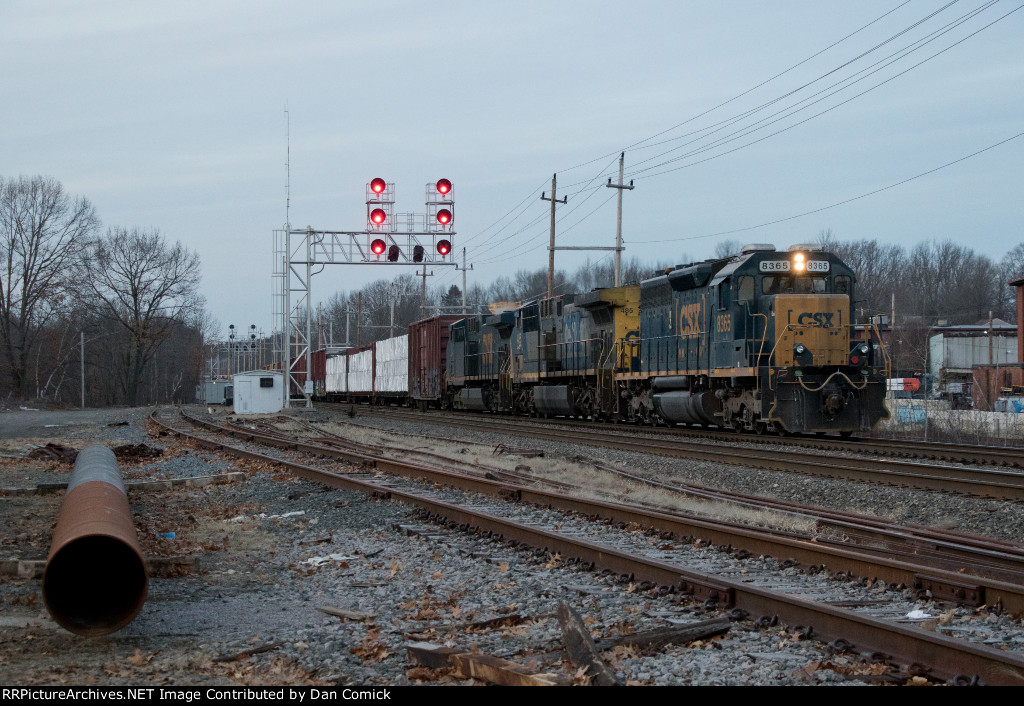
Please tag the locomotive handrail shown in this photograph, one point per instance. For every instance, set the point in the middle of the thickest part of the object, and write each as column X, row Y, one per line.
column 576, row 346
column 828, row 379
column 760, row 351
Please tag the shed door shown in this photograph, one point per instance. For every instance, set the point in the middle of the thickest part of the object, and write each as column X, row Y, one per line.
column 243, row 397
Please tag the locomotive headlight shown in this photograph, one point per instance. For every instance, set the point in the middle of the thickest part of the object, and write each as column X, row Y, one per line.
column 800, row 349
column 798, row 262
column 864, row 349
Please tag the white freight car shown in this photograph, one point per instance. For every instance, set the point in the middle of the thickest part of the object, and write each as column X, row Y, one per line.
column 392, row 367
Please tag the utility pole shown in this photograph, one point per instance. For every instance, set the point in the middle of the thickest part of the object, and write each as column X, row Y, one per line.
column 618, row 222
column 990, row 338
column 423, row 292
column 391, row 301
column 359, row 316
column 892, row 334
column 463, row 269
column 551, row 247
column 82, row 355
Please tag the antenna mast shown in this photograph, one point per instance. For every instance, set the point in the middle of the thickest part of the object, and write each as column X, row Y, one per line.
column 288, row 168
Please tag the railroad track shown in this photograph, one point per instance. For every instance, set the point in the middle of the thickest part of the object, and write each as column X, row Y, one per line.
column 630, row 554
column 1005, row 484
column 966, row 555
column 999, row 456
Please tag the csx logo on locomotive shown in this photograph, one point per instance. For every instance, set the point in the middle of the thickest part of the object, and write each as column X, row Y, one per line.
column 821, row 319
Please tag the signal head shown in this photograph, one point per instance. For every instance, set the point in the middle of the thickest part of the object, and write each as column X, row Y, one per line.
column 393, row 253
column 378, row 246
column 443, row 186
column 378, row 216
column 417, row 253
column 443, row 247
column 378, row 185
column 444, row 216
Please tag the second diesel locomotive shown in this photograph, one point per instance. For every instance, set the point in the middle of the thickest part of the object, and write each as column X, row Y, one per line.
column 763, row 341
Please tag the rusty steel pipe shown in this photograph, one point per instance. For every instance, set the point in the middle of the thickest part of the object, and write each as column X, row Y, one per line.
column 95, row 581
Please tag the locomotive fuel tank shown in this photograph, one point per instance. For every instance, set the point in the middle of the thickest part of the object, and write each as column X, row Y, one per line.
column 703, row 408
column 554, row 399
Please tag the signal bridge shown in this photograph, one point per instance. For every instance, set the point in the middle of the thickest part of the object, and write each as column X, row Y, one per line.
column 425, row 239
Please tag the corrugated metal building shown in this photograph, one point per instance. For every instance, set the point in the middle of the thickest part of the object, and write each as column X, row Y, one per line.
column 954, row 351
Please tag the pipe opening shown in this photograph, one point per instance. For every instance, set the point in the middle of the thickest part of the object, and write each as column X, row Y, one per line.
column 95, row 585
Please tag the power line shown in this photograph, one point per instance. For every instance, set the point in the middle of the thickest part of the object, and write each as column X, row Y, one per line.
column 741, row 134
column 749, row 90
column 838, row 203
column 529, row 198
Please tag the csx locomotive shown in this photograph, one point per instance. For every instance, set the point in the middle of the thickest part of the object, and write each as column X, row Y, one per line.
column 760, row 341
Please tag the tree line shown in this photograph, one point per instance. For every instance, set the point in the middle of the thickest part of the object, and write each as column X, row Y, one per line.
column 924, row 285
column 126, row 293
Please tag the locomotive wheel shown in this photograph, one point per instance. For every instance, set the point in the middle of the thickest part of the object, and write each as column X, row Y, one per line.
column 760, row 428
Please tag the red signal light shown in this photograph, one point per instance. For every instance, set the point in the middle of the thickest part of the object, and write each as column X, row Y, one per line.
column 378, row 246
column 444, row 247
column 444, row 216
column 443, row 186
column 378, row 185
column 378, row 216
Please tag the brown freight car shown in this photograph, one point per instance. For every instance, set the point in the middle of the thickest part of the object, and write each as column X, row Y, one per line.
column 428, row 345
column 318, row 368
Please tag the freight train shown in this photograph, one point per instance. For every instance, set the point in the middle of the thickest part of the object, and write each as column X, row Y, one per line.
column 762, row 341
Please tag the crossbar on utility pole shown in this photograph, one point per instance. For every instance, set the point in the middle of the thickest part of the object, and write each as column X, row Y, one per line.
column 618, row 222
column 551, row 247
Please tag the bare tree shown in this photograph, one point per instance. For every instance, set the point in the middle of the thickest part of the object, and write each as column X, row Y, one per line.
column 144, row 286
column 42, row 229
column 726, row 248
column 1013, row 262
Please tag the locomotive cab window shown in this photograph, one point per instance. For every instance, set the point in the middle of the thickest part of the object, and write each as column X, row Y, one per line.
column 745, row 287
column 776, row 284
column 724, row 295
column 530, row 323
column 841, row 284
column 809, row 285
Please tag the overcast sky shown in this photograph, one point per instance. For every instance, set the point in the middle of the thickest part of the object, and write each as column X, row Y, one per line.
column 172, row 116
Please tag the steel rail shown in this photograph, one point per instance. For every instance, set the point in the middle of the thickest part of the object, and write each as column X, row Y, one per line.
column 905, row 448
column 965, row 582
column 980, row 556
column 907, row 644
column 1002, row 484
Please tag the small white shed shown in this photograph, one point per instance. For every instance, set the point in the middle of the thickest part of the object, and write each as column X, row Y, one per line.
column 258, row 392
